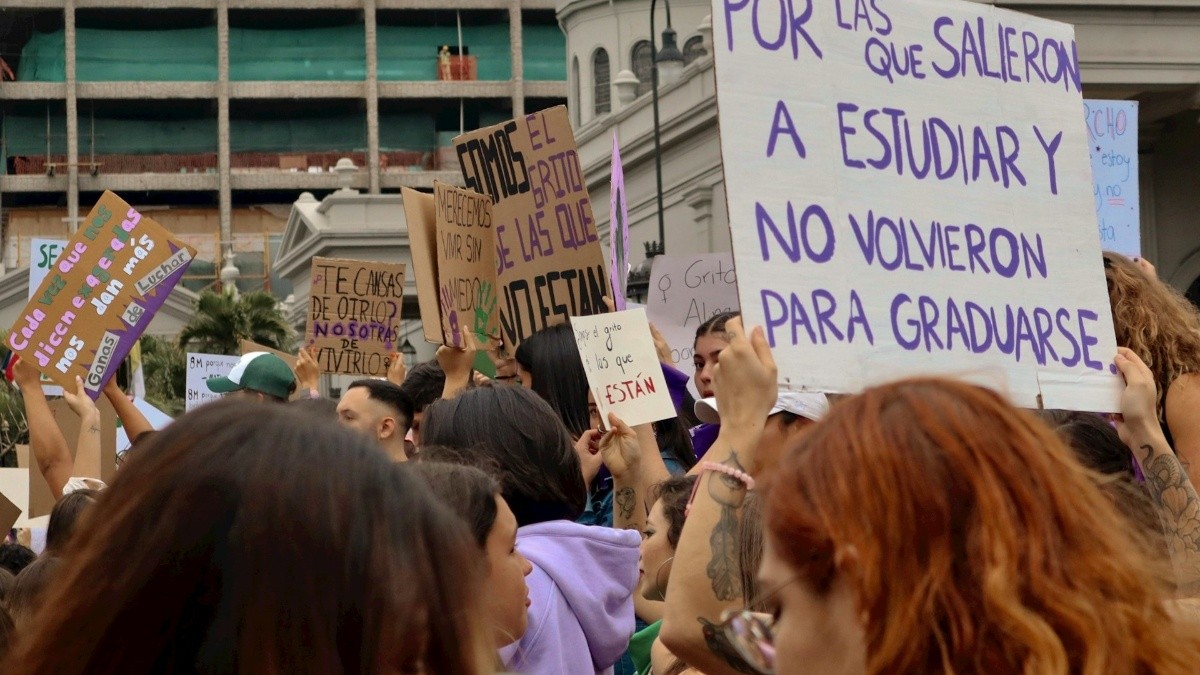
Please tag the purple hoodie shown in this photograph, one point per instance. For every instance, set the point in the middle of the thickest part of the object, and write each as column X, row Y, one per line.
column 581, row 589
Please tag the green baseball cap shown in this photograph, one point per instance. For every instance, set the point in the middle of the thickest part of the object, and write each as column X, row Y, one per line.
column 262, row 372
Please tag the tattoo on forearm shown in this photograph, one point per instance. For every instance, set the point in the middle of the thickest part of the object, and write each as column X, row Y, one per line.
column 94, row 429
column 1177, row 498
column 626, row 500
column 723, row 567
column 718, row 644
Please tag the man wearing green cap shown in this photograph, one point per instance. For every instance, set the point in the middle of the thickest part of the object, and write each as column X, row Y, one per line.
column 260, row 375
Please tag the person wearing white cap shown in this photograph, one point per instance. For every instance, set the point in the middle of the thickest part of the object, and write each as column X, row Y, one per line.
column 792, row 413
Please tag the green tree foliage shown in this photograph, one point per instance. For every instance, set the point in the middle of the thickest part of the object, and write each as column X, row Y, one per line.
column 164, row 367
column 222, row 321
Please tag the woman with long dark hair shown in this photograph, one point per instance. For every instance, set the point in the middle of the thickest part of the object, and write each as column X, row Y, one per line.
column 246, row 537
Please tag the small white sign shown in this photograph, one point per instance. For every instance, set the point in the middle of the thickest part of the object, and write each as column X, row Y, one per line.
column 201, row 367
column 685, row 291
column 622, row 366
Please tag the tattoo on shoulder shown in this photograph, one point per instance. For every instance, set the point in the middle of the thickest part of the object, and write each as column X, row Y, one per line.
column 626, row 501
column 718, row 644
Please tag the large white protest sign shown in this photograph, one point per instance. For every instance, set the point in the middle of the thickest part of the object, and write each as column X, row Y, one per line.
column 1112, row 129
column 685, row 291
column 909, row 193
column 622, row 366
column 200, row 368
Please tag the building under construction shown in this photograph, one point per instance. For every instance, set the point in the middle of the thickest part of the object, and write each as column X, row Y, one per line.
column 214, row 115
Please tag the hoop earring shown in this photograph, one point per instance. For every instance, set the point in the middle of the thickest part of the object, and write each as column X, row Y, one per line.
column 661, row 587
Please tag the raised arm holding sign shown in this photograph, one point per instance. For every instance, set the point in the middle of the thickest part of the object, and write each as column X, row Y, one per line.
column 909, row 193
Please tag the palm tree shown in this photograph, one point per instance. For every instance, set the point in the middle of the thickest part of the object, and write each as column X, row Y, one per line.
column 223, row 320
column 165, row 367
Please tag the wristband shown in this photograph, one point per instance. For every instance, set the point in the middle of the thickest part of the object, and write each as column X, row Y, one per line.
column 738, row 474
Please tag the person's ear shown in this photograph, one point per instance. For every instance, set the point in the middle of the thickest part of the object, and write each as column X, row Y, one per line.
column 387, row 428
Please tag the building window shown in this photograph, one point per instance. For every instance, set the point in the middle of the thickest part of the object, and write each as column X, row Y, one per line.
column 602, row 92
column 693, row 49
column 642, row 58
column 576, row 103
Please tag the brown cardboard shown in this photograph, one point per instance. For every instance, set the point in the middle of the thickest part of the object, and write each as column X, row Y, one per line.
column 354, row 315
column 22, row 456
column 550, row 266
column 9, row 512
column 419, row 212
column 99, row 297
column 466, row 266
column 89, row 465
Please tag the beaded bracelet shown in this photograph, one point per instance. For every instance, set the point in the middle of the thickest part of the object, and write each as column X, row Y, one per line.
column 738, row 474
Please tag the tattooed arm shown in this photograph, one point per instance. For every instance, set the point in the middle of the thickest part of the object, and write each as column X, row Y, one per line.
column 706, row 579
column 1166, row 478
column 621, row 452
column 1179, row 509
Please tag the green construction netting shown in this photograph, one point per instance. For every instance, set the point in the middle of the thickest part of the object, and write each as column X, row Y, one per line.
column 405, row 53
column 26, row 134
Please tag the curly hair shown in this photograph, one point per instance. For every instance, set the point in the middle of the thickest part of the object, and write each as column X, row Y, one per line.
column 982, row 545
column 1154, row 320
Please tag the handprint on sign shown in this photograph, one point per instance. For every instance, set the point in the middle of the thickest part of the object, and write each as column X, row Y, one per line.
column 452, row 334
column 485, row 306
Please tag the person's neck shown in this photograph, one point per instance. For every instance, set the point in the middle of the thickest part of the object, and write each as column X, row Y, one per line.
column 395, row 450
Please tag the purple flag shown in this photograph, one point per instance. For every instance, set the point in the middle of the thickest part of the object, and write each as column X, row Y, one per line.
column 618, row 230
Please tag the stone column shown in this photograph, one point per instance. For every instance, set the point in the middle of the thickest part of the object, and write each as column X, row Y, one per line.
column 515, row 38
column 372, row 42
column 225, row 189
column 72, row 118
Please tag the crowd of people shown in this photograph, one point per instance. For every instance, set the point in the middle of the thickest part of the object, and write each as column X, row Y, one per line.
column 438, row 521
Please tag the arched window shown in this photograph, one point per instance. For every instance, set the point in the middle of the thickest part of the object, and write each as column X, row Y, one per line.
column 576, row 103
column 693, row 49
column 642, row 58
column 602, row 92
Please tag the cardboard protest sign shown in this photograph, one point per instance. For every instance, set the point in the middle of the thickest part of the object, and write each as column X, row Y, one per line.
column 549, row 264
column 10, row 512
column 87, row 314
column 246, row 347
column 419, row 212
column 1112, row 128
column 354, row 315
column 466, row 266
column 622, row 366
column 685, row 291
column 618, row 229
column 908, row 190
column 201, row 367
column 14, row 486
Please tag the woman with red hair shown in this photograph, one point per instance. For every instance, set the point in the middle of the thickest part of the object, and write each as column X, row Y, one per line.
column 927, row 526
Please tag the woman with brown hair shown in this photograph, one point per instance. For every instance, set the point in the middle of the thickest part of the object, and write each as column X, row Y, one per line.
column 1162, row 327
column 248, row 538
column 928, row 526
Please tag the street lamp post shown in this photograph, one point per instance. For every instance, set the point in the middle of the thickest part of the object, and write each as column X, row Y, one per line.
column 671, row 60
